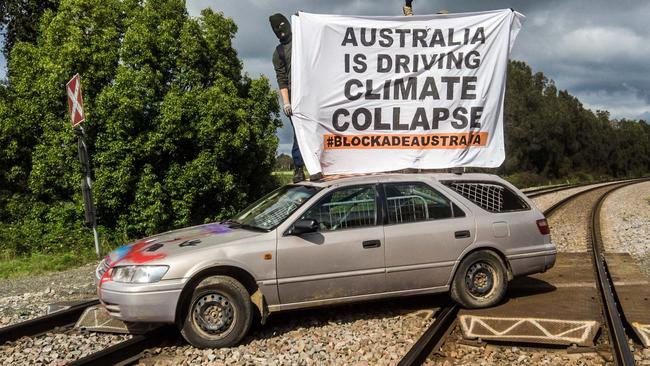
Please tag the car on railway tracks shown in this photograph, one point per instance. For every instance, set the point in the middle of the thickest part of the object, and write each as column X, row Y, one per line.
column 328, row 242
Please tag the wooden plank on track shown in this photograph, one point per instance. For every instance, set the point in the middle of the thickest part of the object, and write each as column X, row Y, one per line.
column 560, row 306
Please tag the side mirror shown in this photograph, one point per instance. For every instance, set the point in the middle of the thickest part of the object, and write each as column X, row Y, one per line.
column 304, row 226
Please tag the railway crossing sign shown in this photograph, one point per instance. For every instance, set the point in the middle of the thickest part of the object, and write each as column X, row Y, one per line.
column 77, row 115
column 75, row 101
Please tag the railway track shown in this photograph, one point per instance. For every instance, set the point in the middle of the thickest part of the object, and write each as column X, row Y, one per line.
column 544, row 190
column 131, row 350
column 121, row 353
column 62, row 318
column 435, row 335
column 613, row 314
column 536, row 192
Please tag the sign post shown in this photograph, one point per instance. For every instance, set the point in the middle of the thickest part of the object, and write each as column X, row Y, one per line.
column 77, row 116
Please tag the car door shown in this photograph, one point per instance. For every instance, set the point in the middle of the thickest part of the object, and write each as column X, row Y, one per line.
column 345, row 257
column 425, row 232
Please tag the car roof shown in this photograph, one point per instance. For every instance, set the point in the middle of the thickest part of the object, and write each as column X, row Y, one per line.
column 335, row 180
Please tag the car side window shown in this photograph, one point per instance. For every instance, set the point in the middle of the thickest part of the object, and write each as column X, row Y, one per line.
column 345, row 208
column 413, row 202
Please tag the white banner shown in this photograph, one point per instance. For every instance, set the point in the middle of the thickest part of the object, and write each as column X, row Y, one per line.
column 373, row 94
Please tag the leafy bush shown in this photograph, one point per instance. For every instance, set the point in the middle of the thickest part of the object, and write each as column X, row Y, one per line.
column 527, row 179
column 177, row 134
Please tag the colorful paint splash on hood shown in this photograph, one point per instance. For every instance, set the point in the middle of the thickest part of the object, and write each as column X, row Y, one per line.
column 146, row 250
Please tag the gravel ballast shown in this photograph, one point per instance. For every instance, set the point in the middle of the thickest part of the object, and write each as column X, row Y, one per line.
column 570, row 223
column 376, row 333
column 27, row 297
column 628, row 222
column 625, row 223
column 56, row 348
column 547, row 200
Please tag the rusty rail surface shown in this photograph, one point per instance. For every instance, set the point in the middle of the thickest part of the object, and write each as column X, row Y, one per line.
column 432, row 337
column 565, row 200
column 618, row 340
column 446, row 316
column 45, row 323
column 129, row 351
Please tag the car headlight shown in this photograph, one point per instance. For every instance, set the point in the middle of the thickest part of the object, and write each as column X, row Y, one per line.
column 138, row 274
column 102, row 267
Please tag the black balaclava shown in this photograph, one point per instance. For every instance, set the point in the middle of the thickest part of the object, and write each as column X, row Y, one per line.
column 281, row 27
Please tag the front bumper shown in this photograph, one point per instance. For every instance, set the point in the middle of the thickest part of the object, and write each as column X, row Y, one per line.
column 151, row 303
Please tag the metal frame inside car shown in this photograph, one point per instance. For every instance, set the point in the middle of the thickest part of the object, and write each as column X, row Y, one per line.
column 382, row 219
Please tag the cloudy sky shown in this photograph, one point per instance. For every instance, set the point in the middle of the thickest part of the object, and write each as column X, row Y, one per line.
column 599, row 50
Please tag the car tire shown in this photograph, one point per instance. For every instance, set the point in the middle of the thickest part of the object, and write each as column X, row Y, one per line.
column 218, row 315
column 480, row 281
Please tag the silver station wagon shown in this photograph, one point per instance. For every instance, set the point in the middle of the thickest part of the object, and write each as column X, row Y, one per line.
column 328, row 242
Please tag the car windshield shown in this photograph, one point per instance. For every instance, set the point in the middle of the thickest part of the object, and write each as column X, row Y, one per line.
column 269, row 211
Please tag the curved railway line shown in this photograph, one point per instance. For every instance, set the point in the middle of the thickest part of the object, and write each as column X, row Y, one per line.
column 433, row 337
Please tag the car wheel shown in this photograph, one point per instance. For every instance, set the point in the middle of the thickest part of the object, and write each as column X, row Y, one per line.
column 219, row 314
column 480, row 281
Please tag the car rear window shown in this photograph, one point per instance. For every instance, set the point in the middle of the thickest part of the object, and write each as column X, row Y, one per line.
column 490, row 196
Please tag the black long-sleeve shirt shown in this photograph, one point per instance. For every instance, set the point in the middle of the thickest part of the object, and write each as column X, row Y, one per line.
column 282, row 69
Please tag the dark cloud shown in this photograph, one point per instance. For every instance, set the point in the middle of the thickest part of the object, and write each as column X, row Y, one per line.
column 645, row 116
column 598, row 50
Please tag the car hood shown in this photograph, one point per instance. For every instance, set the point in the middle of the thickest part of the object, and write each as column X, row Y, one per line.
column 159, row 248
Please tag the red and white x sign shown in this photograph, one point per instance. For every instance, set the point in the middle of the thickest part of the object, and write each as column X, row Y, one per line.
column 75, row 100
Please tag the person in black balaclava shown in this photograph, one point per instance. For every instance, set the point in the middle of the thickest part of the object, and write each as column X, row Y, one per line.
column 282, row 64
column 408, row 7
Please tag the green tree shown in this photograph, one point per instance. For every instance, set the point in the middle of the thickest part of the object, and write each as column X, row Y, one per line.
column 284, row 162
column 177, row 134
column 40, row 169
column 550, row 134
column 20, row 19
column 190, row 139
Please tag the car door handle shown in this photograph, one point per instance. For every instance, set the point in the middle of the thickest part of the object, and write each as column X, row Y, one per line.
column 462, row 234
column 371, row 244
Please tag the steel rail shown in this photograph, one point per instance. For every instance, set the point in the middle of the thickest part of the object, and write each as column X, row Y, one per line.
column 129, row 351
column 565, row 200
column 562, row 187
column 542, row 190
column 446, row 316
column 432, row 337
column 44, row 323
column 618, row 340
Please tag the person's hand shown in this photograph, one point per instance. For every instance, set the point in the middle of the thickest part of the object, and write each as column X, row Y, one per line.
column 287, row 110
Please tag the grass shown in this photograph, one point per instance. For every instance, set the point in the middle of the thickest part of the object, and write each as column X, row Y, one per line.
column 38, row 263
column 283, row 177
